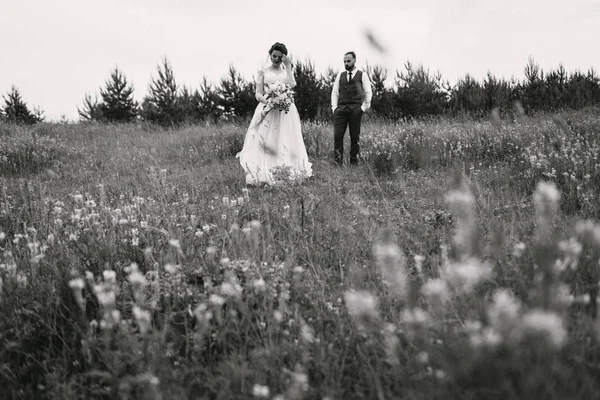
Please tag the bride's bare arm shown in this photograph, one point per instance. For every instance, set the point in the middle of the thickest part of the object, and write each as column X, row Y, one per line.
column 259, row 93
column 289, row 70
column 290, row 80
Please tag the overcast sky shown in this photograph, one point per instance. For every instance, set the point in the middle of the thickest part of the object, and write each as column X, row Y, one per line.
column 62, row 49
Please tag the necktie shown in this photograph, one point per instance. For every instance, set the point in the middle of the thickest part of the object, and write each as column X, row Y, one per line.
column 349, row 76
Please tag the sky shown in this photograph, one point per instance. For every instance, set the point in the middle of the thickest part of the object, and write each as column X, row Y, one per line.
column 61, row 50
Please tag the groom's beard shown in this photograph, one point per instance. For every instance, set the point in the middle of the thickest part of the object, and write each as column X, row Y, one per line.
column 349, row 68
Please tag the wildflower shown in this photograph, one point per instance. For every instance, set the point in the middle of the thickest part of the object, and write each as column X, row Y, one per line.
column 175, row 243
column 439, row 374
column 231, row 287
column 171, row 268
column 137, row 281
column 546, row 200
column 77, row 285
column 216, row 300
column 299, row 384
column 419, row 263
column 307, row 334
column 392, row 263
column 571, row 250
column 255, row 224
column 423, row 357
column 259, row 284
column 2, row 236
column 225, row 261
column 391, row 343
column 260, row 391
column 278, row 316
column 588, row 230
column 436, row 290
column 504, row 311
column 519, row 249
column 298, row 269
column 362, row 307
column 111, row 319
column 90, row 204
column 462, row 203
column 203, row 315
column 109, row 276
column 415, row 319
column 546, row 324
column 143, row 319
column 106, row 295
column 464, row 276
column 226, row 201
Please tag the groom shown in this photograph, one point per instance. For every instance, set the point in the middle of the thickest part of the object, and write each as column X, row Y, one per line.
column 350, row 98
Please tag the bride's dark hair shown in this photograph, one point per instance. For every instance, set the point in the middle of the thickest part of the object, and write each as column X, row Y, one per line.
column 278, row 47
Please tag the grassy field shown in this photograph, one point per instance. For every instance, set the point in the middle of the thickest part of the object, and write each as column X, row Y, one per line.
column 458, row 261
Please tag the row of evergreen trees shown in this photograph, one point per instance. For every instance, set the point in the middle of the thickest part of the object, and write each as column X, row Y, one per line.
column 415, row 92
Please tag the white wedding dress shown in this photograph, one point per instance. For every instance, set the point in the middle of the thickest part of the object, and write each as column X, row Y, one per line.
column 274, row 142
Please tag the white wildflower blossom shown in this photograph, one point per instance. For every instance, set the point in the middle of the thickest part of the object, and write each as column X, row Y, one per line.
column 504, row 310
column 392, row 264
column 465, row 275
column 259, row 284
column 216, row 300
column 143, row 319
column 546, row 324
column 362, row 307
column 307, row 334
column 260, row 391
column 436, row 290
column 519, row 249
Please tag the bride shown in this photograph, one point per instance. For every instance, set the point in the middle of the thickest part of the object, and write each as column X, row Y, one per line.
column 274, row 138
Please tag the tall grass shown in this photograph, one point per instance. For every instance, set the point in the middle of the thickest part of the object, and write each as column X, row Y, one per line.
column 450, row 264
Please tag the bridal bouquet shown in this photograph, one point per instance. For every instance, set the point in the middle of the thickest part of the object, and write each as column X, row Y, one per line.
column 279, row 97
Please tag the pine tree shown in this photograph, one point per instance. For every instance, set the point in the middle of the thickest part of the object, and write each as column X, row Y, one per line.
column 326, row 82
column 15, row 109
column 382, row 101
column 210, row 100
column 419, row 91
column 92, row 109
column 162, row 107
column 118, row 103
column 306, row 90
column 237, row 95
column 190, row 105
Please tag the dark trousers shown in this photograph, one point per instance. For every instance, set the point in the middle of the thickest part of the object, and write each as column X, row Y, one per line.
column 343, row 117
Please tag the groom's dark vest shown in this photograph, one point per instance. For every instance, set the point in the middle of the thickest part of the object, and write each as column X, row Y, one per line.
column 351, row 93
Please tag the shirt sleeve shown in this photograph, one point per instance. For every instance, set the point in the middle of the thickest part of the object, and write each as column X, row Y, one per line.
column 368, row 91
column 335, row 92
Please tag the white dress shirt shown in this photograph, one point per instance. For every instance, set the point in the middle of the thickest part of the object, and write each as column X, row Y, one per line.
column 366, row 87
